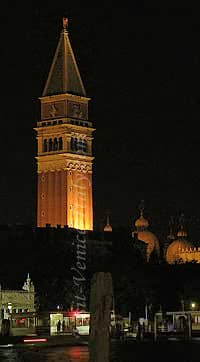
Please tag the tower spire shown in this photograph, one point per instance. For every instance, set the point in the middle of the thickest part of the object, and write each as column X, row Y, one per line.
column 64, row 135
column 64, row 76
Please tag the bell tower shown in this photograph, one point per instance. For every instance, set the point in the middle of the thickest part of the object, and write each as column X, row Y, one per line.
column 64, row 135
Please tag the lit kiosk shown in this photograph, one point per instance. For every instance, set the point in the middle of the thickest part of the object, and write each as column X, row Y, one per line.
column 64, row 136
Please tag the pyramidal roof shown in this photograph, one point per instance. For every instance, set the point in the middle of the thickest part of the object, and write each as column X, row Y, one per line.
column 64, row 76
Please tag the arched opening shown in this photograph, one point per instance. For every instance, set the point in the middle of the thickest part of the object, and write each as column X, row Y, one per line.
column 50, row 145
column 55, row 144
column 60, row 143
column 45, row 146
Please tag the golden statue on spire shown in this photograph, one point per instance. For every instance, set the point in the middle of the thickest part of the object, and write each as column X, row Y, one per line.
column 65, row 23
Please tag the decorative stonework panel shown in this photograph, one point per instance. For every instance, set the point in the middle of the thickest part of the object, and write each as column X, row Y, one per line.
column 77, row 110
column 53, row 110
column 58, row 165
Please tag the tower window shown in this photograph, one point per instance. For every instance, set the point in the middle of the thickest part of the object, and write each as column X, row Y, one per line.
column 45, row 145
column 78, row 144
column 82, row 145
column 74, row 144
column 55, row 144
column 60, row 143
column 50, row 145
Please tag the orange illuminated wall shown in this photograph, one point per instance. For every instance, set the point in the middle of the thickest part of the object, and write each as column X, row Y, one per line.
column 79, row 200
column 52, row 198
column 65, row 198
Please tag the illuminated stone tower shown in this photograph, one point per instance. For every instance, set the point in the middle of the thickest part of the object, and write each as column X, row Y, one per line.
column 64, row 136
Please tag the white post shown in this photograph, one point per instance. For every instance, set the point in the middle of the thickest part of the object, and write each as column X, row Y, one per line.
column 146, row 312
column 189, row 326
column 129, row 319
column 155, row 328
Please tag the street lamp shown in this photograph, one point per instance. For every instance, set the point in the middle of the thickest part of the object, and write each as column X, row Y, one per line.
column 193, row 305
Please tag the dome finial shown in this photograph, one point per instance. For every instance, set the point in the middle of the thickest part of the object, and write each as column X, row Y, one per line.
column 181, row 219
column 171, row 229
column 141, row 223
column 108, row 226
column 141, row 207
column 181, row 232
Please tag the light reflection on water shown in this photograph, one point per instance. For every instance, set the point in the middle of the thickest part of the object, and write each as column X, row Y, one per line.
column 53, row 354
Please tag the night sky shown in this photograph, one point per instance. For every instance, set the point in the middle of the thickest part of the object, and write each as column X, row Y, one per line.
column 141, row 66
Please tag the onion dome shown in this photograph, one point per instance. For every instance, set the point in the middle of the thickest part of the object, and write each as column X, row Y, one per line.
column 108, row 227
column 174, row 249
column 146, row 236
column 151, row 240
column 141, row 223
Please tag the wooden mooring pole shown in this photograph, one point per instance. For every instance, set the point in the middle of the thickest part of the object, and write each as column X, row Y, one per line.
column 101, row 299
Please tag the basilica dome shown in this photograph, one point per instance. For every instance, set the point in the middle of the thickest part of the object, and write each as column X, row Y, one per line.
column 143, row 234
column 174, row 249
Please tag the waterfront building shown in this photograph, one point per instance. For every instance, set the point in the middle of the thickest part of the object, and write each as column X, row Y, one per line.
column 19, row 307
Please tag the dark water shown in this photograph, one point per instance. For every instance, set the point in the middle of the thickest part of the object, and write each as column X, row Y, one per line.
column 53, row 354
column 121, row 352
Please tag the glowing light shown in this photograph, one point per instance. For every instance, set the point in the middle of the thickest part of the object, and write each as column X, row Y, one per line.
column 193, row 305
column 33, row 340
